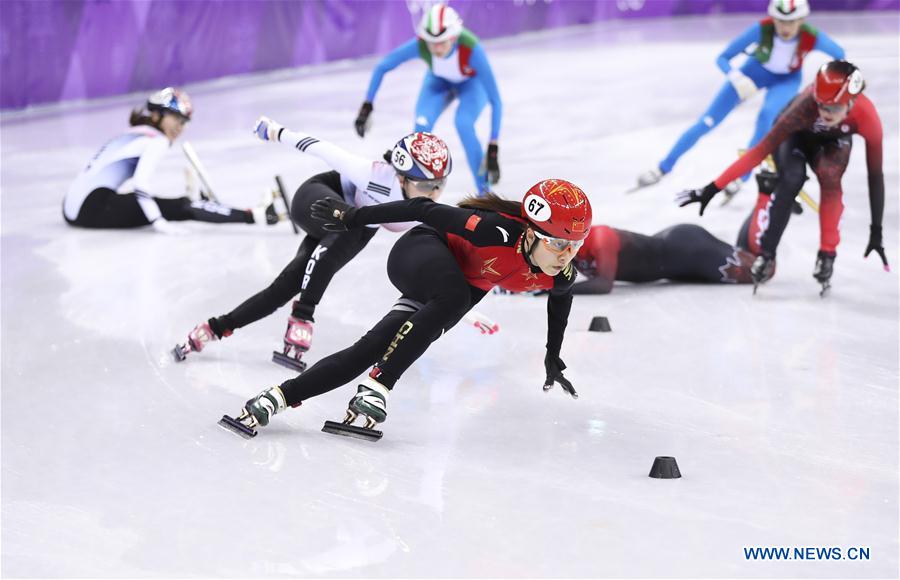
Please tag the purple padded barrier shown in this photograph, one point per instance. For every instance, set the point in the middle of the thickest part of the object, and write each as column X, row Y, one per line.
column 57, row 50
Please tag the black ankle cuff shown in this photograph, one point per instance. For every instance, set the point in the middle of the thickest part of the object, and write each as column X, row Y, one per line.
column 221, row 326
column 303, row 311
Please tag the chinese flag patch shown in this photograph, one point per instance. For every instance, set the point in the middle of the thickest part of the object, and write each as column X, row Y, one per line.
column 472, row 222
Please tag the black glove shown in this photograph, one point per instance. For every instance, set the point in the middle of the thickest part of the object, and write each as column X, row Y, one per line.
column 362, row 119
column 701, row 196
column 555, row 366
column 335, row 213
column 875, row 244
column 493, row 168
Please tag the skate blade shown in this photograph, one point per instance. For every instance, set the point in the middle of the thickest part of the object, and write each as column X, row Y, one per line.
column 824, row 292
column 336, row 428
column 237, row 427
column 288, row 361
column 638, row 188
column 179, row 352
column 282, row 193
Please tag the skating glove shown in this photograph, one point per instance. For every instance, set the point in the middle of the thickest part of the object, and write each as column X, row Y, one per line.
column 481, row 322
column 876, row 245
column 163, row 226
column 335, row 213
column 493, row 167
column 743, row 85
column 701, row 196
column 554, row 367
column 267, row 129
column 362, row 122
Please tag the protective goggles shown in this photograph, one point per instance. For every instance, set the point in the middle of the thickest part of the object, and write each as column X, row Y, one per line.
column 429, row 185
column 558, row 245
column 833, row 109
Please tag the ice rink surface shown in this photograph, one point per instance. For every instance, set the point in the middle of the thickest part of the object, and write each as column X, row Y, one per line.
column 781, row 409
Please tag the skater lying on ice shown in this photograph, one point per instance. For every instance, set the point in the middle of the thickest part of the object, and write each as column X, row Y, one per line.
column 682, row 253
column 93, row 200
column 442, row 269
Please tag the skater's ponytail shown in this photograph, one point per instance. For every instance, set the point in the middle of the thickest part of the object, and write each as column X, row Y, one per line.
column 141, row 116
column 492, row 202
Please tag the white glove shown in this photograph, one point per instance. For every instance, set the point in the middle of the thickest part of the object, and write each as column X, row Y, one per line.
column 267, row 129
column 481, row 322
column 164, row 226
column 744, row 86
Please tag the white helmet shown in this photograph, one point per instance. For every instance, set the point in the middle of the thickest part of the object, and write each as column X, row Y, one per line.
column 789, row 9
column 439, row 23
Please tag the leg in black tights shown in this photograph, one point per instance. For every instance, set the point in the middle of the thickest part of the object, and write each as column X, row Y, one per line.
column 422, row 267
column 183, row 209
column 104, row 208
column 320, row 256
column 791, row 158
column 692, row 254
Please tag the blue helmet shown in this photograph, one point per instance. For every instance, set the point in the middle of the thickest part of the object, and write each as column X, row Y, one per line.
column 171, row 100
column 422, row 157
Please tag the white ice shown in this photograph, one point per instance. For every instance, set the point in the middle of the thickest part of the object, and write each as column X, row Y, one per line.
column 781, row 408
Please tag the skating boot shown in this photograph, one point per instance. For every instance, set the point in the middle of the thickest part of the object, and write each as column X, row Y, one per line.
column 762, row 270
column 823, row 270
column 647, row 179
column 265, row 213
column 370, row 401
column 257, row 412
column 197, row 339
column 297, row 340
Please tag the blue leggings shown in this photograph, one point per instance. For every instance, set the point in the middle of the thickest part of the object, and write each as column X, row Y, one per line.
column 435, row 96
column 780, row 89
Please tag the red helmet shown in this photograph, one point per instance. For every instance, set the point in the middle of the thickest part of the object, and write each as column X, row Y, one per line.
column 837, row 83
column 558, row 208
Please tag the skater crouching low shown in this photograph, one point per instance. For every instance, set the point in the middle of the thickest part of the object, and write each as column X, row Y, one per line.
column 442, row 269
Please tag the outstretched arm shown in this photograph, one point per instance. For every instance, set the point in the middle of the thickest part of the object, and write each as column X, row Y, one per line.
column 871, row 130
column 480, row 63
column 737, row 46
column 354, row 167
column 442, row 217
column 558, row 308
column 825, row 44
column 406, row 51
